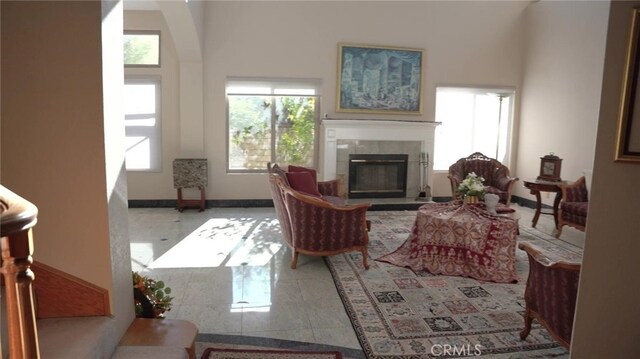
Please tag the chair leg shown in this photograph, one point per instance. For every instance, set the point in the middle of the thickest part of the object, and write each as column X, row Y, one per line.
column 294, row 259
column 559, row 230
column 528, row 319
column 365, row 257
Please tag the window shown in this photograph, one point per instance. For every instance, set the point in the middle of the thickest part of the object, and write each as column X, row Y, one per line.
column 142, row 48
column 473, row 120
column 142, row 124
column 271, row 121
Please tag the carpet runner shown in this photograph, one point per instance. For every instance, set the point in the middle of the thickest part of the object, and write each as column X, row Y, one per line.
column 401, row 314
column 215, row 353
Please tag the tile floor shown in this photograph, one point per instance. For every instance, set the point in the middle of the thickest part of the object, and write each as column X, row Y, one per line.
column 229, row 273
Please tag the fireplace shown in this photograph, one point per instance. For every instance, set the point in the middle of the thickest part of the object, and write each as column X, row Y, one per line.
column 378, row 175
column 343, row 137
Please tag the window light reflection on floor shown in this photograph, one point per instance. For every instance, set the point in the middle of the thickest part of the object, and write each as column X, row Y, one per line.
column 224, row 241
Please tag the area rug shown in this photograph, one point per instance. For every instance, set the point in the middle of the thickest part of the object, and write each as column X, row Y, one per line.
column 401, row 314
column 215, row 353
column 245, row 343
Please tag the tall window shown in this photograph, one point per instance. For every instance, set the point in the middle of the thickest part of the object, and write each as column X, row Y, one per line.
column 271, row 121
column 142, row 124
column 141, row 48
column 473, row 120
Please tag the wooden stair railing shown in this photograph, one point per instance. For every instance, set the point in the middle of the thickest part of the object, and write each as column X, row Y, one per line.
column 17, row 217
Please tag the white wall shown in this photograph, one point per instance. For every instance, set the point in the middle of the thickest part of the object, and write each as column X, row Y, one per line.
column 158, row 185
column 607, row 315
column 62, row 138
column 478, row 43
column 561, row 86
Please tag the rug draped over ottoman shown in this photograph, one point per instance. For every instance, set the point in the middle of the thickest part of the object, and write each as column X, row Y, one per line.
column 457, row 239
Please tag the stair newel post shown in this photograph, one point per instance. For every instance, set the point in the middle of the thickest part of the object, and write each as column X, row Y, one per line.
column 16, row 247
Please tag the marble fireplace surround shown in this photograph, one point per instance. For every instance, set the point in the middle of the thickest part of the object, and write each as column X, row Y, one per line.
column 344, row 136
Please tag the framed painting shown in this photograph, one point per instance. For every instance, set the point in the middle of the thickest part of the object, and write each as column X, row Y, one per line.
column 379, row 79
column 628, row 141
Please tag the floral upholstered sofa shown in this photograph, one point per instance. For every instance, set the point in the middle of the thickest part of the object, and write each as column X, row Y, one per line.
column 313, row 219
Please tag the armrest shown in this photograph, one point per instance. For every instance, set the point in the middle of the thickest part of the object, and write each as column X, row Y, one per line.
column 504, row 183
column 576, row 191
column 455, row 182
column 328, row 188
column 318, row 225
column 537, row 255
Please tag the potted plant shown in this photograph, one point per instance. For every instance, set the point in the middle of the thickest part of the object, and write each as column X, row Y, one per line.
column 152, row 298
column 471, row 188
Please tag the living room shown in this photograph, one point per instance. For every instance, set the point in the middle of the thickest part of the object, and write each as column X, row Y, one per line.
column 555, row 55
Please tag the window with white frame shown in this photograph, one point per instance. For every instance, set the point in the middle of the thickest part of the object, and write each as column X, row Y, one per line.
column 141, row 48
column 271, row 120
column 142, row 124
column 472, row 120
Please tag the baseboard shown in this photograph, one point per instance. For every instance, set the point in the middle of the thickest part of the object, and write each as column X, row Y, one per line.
column 59, row 294
column 210, row 203
column 250, row 203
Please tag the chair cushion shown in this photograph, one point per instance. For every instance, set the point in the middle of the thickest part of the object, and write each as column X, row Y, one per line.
column 311, row 171
column 303, row 182
column 575, row 208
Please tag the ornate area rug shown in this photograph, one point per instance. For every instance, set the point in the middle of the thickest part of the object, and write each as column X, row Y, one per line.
column 401, row 314
column 214, row 353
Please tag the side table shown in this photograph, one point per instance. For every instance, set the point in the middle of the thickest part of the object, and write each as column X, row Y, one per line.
column 537, row 186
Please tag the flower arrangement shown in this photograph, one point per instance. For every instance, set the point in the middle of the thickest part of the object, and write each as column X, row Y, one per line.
column 471, row 186
column 151, row 297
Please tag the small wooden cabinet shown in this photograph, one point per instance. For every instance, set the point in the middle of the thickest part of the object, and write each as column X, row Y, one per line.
column 190, row 173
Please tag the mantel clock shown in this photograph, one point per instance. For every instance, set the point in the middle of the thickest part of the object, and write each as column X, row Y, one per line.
column 550, row 168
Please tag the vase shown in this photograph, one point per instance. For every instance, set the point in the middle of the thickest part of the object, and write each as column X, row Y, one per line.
column 491, row 201
column 470, row 199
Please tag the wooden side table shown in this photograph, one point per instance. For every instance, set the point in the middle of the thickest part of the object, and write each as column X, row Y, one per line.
column 182, row 203
column 537, row 186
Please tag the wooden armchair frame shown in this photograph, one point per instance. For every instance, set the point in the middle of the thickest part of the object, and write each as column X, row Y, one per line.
column 499, row 178
column 317, row 227
column 554, row 309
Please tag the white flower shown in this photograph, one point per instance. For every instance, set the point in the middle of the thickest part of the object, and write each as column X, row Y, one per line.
column 472, row 185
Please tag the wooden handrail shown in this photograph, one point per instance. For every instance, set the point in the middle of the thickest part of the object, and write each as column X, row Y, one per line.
column 17, row 217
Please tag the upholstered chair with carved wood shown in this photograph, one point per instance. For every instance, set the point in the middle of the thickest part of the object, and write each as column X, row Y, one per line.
column 574, row 206
column 316, row 224
column 495, row 174
column 550, row 294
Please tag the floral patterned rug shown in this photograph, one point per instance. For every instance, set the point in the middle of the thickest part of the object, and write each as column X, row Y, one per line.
column 401, row 314
column 216, row 353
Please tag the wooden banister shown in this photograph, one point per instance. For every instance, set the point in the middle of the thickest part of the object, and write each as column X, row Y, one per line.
column 17, row 217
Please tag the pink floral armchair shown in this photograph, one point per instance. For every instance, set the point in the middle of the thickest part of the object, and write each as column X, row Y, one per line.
column 318, row 225
column 495, row 174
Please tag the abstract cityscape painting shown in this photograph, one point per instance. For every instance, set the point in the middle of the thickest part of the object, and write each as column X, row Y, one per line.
column 379, row 79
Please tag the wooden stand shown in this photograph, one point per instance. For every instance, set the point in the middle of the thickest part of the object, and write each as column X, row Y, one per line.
column 184, row 203
column 162, row 332
column 537, row 186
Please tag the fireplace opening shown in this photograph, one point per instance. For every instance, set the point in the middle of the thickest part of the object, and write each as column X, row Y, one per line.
column 378, row 176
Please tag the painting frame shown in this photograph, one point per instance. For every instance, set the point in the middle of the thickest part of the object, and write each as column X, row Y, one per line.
column 380, row 79
column 628, row 136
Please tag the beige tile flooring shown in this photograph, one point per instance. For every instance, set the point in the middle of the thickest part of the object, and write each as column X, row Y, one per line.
column 229, row 273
